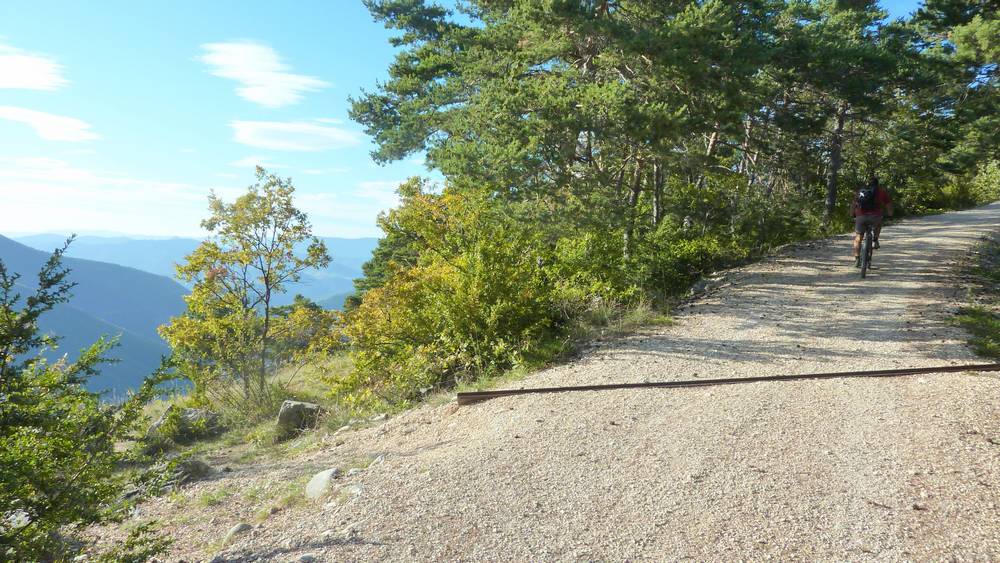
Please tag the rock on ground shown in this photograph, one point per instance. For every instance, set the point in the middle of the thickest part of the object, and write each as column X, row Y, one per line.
column 295, row 416
column 321, row 482
column 192, row 424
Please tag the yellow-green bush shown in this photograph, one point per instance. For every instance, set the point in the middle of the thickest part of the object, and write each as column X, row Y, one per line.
column 476, row 304
column 985, row 187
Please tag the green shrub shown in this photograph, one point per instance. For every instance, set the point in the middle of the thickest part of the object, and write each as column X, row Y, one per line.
column 474, row 309
column 61, row 449
column 985, row 187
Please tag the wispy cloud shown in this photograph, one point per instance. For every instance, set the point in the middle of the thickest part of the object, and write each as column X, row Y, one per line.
column 264, row 79
column 351, row 213
column 292, row 135
column 47, row 194
column 29, row 71
column 50, row 126
column 380, row 191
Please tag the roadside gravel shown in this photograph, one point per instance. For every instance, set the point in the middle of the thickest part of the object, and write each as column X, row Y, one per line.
column 905, row 468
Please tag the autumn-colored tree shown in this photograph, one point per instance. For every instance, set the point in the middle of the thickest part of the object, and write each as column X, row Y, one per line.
column 225, row 341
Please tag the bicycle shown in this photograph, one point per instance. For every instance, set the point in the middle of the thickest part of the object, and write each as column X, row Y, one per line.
column 867, row 246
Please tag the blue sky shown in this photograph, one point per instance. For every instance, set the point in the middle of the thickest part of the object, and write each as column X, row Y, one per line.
column 120, row 116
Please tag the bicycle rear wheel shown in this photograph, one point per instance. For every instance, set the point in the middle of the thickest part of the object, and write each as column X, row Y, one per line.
column 866, row 252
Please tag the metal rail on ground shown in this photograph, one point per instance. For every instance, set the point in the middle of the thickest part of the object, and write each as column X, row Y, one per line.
column 470, row 397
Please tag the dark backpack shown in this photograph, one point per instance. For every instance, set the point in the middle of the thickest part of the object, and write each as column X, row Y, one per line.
column 867, row 199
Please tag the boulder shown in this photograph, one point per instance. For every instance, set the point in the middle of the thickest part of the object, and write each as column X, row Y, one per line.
column 184, row 425
column 191, row 469
column 295, row 416
column 321, row 483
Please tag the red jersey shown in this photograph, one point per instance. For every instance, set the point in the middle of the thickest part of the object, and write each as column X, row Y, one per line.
column 881, row 199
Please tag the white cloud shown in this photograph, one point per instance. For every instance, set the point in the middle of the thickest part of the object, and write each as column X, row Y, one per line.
column 49, row 195
column 341, row 214
column 46, row 194
column 264, row 79
column 383, row 192
column 50, row 126
column 292, row 135
column 254, row 161
column 29, row 71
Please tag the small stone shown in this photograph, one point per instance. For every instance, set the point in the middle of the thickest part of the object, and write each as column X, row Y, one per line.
column 306, row 558
column 354, row 471
column 379, row 417
column 236, row 530
column 353, row 490
column 320, row 483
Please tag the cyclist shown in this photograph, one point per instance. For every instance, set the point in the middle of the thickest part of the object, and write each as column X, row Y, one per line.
column 870, row 203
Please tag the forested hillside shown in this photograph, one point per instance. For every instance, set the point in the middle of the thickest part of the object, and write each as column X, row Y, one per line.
column 599, row 154
column 159, row 256
column 108, row 300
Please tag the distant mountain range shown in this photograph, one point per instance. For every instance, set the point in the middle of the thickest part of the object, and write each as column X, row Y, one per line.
column 108, row 300
column 125, row 287
column 329, row 286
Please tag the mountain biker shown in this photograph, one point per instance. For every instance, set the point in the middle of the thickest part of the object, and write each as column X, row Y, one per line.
column 870, row 203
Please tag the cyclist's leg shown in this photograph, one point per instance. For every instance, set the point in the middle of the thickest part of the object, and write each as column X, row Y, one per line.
column 878, row 229
column 859, row 231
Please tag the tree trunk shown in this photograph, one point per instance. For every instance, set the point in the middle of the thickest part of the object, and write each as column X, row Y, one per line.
column 836, row 160
column 633, row 200
column 657, row 193
column 264, row 341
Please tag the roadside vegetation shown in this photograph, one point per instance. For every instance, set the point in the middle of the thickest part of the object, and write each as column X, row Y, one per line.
column 67, row 460
column 981, row 318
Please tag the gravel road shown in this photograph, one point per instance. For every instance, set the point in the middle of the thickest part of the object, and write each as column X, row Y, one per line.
column 904, row 468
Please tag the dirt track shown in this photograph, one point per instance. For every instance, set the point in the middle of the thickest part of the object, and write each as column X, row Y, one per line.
column 904, row 468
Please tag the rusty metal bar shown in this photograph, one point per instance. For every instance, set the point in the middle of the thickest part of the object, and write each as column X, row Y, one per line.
column 470, row 397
